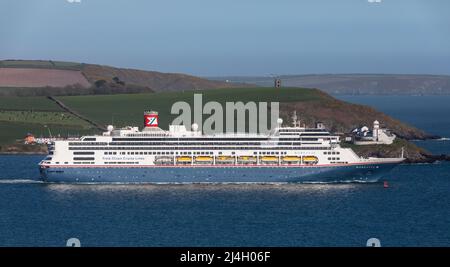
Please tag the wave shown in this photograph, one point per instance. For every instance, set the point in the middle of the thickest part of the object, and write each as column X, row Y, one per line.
column 209, row 183
column 437, row 139
column 20, row 181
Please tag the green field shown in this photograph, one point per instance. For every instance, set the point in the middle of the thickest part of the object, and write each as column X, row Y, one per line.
column 28, row 103
column 22, row 115
column 12, row 131
column 122, row 110
column 42, row 117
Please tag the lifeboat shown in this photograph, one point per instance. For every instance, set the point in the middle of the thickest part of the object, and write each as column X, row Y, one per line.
column 184, row 159
column 247, row 159
column 224, row 159
column 163, row 160
column 310, row 159
column 203, row 159
column 269, row 158
column 291, row 158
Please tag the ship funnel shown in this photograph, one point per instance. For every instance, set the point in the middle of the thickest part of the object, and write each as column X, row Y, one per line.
column 150, row 119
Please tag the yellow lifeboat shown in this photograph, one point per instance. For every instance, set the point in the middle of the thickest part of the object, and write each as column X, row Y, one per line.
column 225, row 158
column 310, row 159
column 269, row 158
column 184, row 159
column 291, row 158
column 203, row 159
column 247, row 158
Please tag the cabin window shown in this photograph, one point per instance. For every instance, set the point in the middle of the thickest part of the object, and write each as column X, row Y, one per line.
column 83, row 158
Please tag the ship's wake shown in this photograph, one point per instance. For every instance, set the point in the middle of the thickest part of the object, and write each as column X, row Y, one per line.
column 212, row 184
column 204, row 188
column 20, row 181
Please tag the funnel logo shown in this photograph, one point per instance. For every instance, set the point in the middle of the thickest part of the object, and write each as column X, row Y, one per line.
column 151, row 120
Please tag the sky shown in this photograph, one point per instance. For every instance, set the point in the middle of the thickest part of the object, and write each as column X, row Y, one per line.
column 233, row 37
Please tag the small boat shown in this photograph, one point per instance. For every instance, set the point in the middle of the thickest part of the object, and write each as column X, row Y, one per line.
column 269, row 158
column 163, row 160
column 204, row 159
column 224, row 159
column 291, row 158
column 184, row 159
column 310, row 159
column 247, row 159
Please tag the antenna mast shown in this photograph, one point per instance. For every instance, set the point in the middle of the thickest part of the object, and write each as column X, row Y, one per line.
column 294, row 118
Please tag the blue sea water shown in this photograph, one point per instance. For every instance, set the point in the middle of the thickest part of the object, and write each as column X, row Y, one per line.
column 413, row 211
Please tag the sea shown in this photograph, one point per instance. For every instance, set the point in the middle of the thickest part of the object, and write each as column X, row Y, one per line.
column 413, row 211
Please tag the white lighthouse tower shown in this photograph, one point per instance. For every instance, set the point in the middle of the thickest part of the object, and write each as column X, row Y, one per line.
column 376, row 131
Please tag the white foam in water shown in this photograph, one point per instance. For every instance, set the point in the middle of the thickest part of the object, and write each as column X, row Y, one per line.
column 20, row 181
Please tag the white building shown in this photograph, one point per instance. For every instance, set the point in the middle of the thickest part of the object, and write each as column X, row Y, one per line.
column 377, row 136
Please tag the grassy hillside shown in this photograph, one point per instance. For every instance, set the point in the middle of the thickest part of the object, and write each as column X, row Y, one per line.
column 311, row 105
column 44, row 78
column 125, row 110
column 42, row 117
column 157, row 81
column 37, row 115
column 28, row 103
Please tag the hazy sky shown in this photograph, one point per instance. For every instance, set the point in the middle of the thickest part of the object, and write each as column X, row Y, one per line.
column 233, row 37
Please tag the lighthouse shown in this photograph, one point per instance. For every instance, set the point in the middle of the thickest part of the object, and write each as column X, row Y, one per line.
column 376, row 129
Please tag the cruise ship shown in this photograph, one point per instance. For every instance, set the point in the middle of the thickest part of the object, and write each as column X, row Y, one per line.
column 153, row 155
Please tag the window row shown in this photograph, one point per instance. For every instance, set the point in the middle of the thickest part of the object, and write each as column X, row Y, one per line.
column 201, row 148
